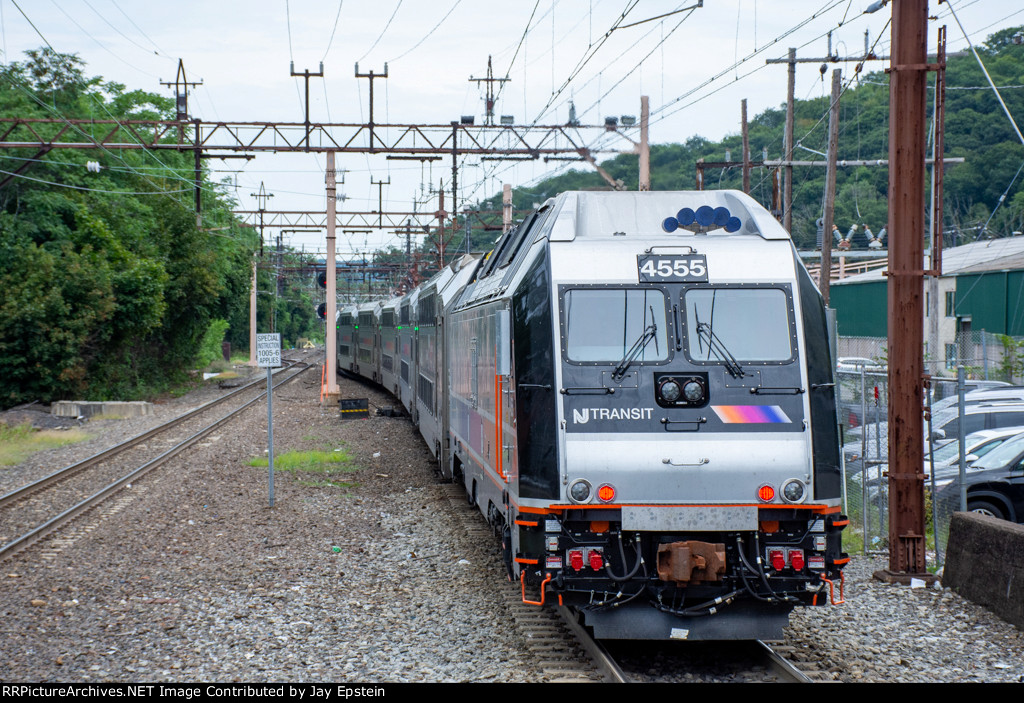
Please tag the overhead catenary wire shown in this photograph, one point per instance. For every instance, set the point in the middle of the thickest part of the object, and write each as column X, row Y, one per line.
column 98, row 43
column 382, row 32
column 330, row 42
column 985, row 71
column 158, row 51
column 126, row 37
column 93, row 190
column 585, row 59
column 428, row 34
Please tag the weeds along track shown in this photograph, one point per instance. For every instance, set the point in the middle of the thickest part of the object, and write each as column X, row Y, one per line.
column 29, row 513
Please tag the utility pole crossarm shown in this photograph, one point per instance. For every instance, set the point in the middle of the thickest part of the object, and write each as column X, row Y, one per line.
column 181, row 84
column 367, row 220
column 533, row 141
column 490, row 80
column 307, row 75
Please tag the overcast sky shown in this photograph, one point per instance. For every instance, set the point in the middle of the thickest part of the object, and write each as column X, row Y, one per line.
column 696, row 66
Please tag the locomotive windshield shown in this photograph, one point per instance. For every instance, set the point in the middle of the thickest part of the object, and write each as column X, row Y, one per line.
column 751, row 323
column 603, row 325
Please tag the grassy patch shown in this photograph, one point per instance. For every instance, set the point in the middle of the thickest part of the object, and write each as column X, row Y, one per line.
column 221, row 376
column 320, row 468
column 219, row 366
column 18, row 443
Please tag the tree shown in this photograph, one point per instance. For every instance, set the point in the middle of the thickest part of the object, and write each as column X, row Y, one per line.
column 109, row 285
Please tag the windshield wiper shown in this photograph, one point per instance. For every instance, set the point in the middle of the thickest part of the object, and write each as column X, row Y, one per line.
column 715, row 345
column 649, row 333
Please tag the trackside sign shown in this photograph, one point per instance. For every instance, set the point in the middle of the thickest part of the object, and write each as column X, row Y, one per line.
column 268, row 350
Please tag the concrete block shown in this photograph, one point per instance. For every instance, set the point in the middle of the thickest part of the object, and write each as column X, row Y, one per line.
column 89, row 408
column 985, row 564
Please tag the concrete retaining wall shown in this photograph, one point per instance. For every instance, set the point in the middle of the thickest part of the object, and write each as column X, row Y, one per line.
column 112, row 408
column 985, row 564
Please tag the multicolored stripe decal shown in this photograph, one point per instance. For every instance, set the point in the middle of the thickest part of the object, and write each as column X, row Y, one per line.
column 730, row 414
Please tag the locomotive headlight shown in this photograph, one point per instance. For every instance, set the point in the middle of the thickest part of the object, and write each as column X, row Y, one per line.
column 670, row 391
column 693, row 391
column 680, row 391
column 793, row 491
column 579, row 491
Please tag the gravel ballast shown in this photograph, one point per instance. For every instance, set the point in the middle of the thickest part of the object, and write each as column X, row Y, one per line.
column 357, row 576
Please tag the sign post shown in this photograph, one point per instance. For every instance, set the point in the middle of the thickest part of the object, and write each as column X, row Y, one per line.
column 268, row 356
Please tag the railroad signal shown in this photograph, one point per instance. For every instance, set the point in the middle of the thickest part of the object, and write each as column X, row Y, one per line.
column 321, row 311
column 321, row 279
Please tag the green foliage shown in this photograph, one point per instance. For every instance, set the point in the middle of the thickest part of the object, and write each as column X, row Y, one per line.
column 1011, row 366
column 976, row 128
column 210, row 345
column 110, row 287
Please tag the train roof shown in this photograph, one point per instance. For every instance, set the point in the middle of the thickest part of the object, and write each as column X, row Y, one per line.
column 622, row 220
column 599, row 214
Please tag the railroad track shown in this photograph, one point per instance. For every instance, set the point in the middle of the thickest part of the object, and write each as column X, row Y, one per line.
column 566, row 652
column 40, row 508
column 713, row 662
column 563, row 650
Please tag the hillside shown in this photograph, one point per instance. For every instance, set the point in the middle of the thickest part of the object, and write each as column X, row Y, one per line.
column 976, row 129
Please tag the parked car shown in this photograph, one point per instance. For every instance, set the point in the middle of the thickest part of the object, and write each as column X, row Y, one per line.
column 981, row 395
column 947, row 453
column 877, row 435
column 982, row 416
column 978, row 444
column 995, row 485
column 946, row 462
column 856, row 363
column 945, row 389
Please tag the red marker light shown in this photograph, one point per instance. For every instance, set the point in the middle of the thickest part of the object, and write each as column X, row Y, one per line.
column 796, row 559
column 606, row 493
column 576, row 559
column 766, row 493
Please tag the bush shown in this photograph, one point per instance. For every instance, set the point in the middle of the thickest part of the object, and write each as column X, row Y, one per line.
column 210, row 345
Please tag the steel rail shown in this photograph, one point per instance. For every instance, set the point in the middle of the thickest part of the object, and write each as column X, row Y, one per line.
column 611, row 669
column 73, row 469
column 783, row 666
column 46, row 528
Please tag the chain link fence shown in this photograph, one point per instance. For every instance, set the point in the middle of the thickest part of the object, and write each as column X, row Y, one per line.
column 984, row 356
column 861, row 378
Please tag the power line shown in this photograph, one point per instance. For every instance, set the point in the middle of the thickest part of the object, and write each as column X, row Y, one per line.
column 94, row 190
column 159, row 50
column 427, row 35
column 382, row 33
column 330, row 42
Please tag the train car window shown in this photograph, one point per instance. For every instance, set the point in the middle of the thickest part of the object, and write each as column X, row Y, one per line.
column 426, row 310
column 529, row 225
column 751, row 324
column 604, row 324
column 507, row 246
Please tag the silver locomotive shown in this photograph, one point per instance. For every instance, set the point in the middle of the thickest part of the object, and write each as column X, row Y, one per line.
column 636, row 390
